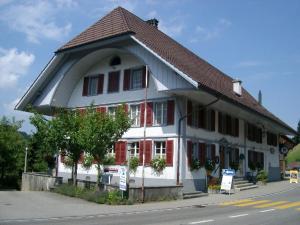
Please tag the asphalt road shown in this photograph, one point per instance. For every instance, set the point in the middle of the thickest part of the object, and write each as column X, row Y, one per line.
column 279, row 209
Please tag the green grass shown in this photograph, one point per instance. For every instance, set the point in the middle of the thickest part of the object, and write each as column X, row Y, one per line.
column 104, row 197
column 294, row 155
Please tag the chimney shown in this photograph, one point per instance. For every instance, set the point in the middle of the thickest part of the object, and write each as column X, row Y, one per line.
column 153, row 22
column 260, row 97
column 237, row 87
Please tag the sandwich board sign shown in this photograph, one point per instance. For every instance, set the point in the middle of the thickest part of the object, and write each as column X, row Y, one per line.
column 227, row 179
column 294, row 176
column 123, row 178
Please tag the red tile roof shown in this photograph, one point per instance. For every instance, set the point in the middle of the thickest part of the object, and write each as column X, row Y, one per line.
column 120, row 21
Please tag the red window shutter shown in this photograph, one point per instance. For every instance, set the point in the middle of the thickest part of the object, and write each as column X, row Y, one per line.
column 189, row 113
column 100, row 84
column 189, row 152
column 170, row 112
column 202, row 118
column 213, row 152
column 113, row 81
column 82, row 111
column 169, row 152
column 126, row 108
column 144, row 78
column 228, row 124
column 126, row 82
column 141, row 150
column 122, row 150
column 237, row 127
column 220, row 123
column 148, row 152
column 149, row 119
column 202, row 153
column 142, row 107
column 101, row 109
column 85, row 86
column 213, row 120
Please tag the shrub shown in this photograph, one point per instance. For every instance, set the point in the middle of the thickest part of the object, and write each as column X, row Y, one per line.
column 109, row 160
column 133, row 164
column 209, row 165
column 68, row 162
column 158, row 164
column 262, row 176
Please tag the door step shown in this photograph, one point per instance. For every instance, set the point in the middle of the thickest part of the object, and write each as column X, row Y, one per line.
column 241, row 184
column 195, row 194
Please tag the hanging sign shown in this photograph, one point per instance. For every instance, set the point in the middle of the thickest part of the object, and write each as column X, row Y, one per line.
column 294, row 176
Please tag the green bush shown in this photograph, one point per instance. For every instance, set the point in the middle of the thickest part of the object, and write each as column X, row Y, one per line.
column 109, row 160
column 262, row 176
column 209, row 165
column 133, row 164
column 104, row 197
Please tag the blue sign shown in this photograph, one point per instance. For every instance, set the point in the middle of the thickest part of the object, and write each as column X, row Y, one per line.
column 228, row 172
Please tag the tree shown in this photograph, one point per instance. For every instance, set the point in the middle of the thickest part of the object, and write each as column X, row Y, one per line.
column 12, row 147
column 297, row 137
column 100, row 131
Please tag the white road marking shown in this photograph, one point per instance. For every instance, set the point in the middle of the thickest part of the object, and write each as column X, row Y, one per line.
column 235, row 216
column 202, row 221
column 267, row 210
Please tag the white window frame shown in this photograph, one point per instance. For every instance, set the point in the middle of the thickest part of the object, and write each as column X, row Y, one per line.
column 163, row 113
column 111, row 152
column 162, row 147
column 135, row 146
column 111, row 110
column 135, row 115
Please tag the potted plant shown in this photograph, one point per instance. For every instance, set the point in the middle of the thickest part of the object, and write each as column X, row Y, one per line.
column 214, row 188
column 209, row 166
column 158, row 164
column 195, row 165
column 133, row 164
column 262, row 177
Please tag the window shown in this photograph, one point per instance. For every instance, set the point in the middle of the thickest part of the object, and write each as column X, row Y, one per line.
column 160, row 113
column 113, row 82
column 115, row 61
column 271, row 139
column 136, row 81
column 134, row 78
column 228, row 125
column 135, row 115
column 254, row 133
column 133, row 148
column 256, row 159
column 93, row 85
column 112, row 111
column 111, row 152
column 160, row 149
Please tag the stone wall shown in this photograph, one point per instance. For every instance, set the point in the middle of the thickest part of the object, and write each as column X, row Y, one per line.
column 39, row 182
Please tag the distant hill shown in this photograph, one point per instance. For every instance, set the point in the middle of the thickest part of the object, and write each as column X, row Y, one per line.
column 294, row 155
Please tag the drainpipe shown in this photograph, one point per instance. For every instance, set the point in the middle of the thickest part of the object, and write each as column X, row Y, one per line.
column 179, row 136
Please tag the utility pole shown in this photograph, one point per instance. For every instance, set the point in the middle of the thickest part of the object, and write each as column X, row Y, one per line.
column 25, row 163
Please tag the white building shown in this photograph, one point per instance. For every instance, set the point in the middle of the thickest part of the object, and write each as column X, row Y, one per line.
column 106, row 65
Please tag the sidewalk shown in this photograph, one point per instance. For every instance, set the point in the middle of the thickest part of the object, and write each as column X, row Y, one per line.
column 29, row 205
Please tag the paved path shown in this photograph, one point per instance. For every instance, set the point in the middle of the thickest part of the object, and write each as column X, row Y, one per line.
column 41, row 205
column 272, row 209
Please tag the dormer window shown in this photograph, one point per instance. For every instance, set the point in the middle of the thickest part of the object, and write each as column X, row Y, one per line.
column 115, row 61
column 134, row 78
column 93, row 85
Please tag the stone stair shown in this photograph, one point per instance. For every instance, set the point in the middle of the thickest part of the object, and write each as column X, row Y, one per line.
column 240, row 184
column 195, row 194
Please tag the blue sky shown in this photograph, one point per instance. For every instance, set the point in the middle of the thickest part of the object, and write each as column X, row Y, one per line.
column 255, row 41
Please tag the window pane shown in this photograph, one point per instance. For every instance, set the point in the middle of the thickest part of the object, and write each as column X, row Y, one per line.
column 136, row 79
column 135, row 115
column 92, row 87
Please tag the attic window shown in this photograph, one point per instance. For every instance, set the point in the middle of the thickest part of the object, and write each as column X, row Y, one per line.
column 115, row 61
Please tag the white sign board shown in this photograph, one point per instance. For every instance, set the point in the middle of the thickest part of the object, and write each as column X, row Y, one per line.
column 226, row 182
column 123, row 178
column 227, row 179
